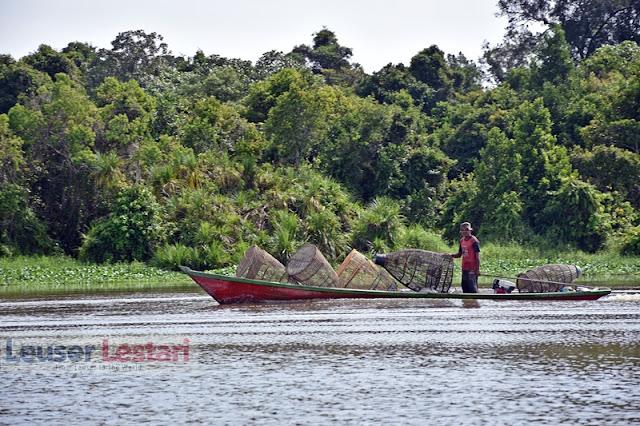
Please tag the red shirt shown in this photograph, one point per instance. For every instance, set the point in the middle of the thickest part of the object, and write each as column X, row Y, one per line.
column 470, row 247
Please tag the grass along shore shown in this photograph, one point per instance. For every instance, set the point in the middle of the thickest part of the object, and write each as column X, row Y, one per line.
column 52, row 274
column 42, row 274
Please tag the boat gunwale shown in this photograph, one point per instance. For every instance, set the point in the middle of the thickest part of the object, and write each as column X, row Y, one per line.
column 399, row 294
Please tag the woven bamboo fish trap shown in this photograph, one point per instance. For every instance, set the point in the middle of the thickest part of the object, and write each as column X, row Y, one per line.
column 260, row 265
column 547, row 278
column 307, row 265
column 356, row 271
column 420, row 270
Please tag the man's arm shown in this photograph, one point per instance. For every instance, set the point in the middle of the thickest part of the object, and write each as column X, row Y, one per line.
column 459, row 253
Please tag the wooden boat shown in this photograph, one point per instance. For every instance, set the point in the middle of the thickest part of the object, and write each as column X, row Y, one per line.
column 227, row 290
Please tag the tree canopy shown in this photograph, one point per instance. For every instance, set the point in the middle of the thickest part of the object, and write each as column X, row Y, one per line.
column 132, row 153
column 588, row 25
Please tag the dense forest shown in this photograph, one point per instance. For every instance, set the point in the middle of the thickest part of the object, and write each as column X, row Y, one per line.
column 132, row 153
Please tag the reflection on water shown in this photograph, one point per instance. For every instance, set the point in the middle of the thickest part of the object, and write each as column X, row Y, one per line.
column 353, row 362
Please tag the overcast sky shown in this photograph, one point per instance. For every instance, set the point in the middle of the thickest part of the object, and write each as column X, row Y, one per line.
column 378, row 31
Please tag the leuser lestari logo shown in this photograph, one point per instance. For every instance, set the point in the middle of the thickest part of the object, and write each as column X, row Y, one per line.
column 18, row 352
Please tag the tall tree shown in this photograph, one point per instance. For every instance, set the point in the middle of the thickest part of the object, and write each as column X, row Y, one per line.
column 464, row 74
column 386, row 84
column 499, row 173
column 430, row 67
column 57, row 127
column 329, row 58
column 264, row 94
column 611, row 168
column 21, row 230
column 18, row 79
column 81, row 54
column 299, row 122
column 552, row 62
column 50, row 61
column 127, row 113
column 135, row 55
column 326, row 52
column 217, row 127
column 273, row 61
column 588, row 24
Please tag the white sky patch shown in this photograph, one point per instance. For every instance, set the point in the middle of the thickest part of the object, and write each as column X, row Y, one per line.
column 379, row 32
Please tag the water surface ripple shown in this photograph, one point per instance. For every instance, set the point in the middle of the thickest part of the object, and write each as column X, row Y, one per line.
column 322, row 362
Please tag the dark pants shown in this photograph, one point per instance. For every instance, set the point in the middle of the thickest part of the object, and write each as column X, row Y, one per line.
column 469, row 282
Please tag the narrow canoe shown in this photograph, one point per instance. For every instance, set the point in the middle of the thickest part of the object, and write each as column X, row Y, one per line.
column 227, row 290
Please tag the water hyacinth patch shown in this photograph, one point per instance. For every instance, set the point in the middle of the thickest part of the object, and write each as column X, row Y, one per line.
column 63, row 273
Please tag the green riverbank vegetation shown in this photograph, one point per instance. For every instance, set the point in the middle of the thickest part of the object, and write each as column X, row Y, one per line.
column 45, row 274
column 61, row 274
column 132, row 160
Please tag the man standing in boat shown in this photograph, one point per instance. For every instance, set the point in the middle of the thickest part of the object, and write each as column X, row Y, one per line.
column 469, row 250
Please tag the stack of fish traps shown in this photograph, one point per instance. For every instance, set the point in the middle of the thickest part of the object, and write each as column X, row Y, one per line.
column 547, row 278
column 356, row 271
column 307, row 265
column 259, row 265
column 420, row 270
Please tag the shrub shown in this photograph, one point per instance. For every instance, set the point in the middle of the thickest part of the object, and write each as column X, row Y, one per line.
column 572, row 215
column 324, row 229
column 462, row 205
column 203, row 257
column 131, row 232
column 170, row 256
column 381, row 223
column 631, row 242
column 285, row 231
column 415, row 236
column 20, row 227
column 215, row 255
column 505, row 223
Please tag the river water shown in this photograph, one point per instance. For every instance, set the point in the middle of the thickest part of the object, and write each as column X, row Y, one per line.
column 181, row 358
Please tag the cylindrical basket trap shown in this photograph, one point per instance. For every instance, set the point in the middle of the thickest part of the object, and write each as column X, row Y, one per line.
column 260, row 265
column 420, row 270
column 308, row 266
column 547, row 278
column 356, row 271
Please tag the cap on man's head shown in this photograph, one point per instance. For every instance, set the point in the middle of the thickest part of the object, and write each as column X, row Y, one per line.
column 466, row 225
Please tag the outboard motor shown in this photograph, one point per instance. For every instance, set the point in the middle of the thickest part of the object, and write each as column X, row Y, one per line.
column 502, row 286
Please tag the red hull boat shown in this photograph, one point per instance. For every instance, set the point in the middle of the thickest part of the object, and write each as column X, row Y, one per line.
column 227, row 290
